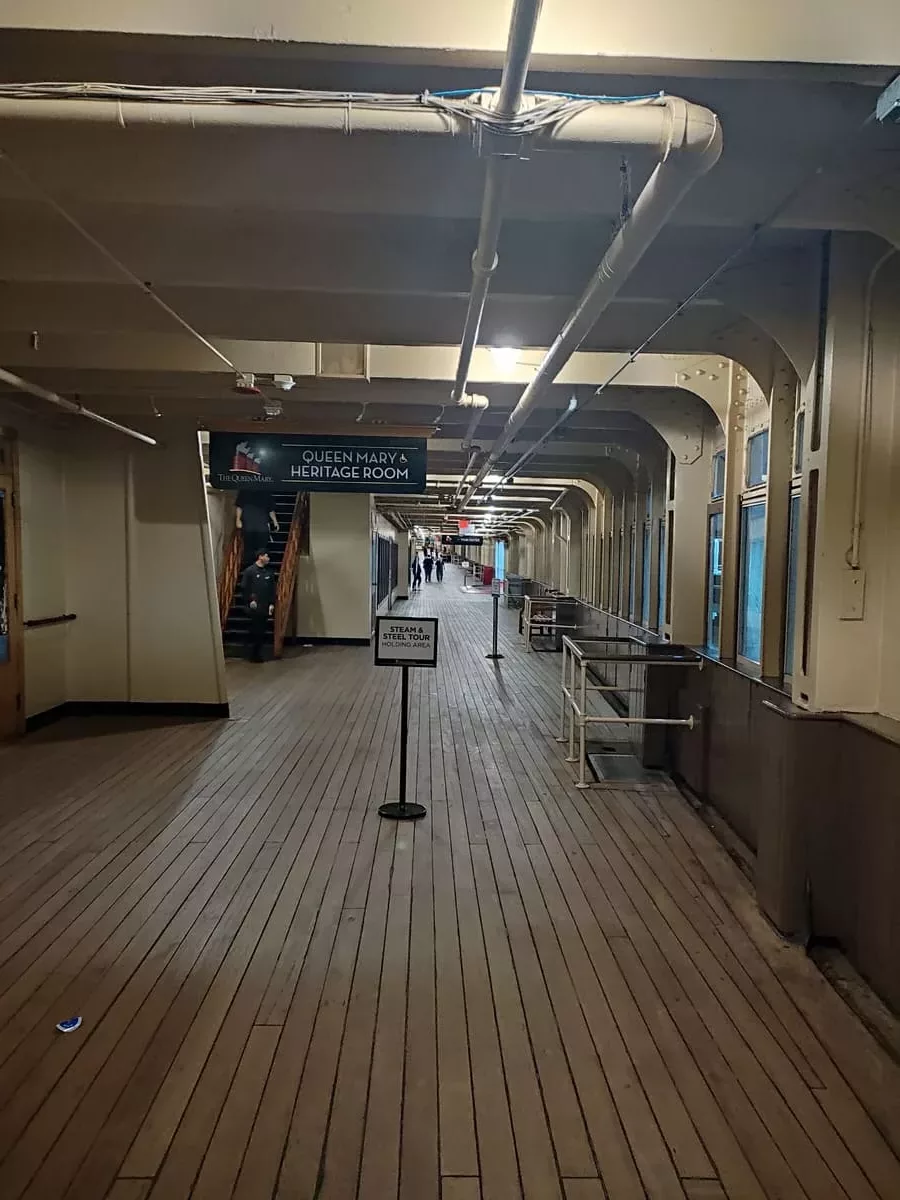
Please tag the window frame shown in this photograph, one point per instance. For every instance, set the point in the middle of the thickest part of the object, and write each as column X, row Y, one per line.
column 715, row 508
column 753, row 440
column 755, row 499
column 717, row 458
column 662, row 574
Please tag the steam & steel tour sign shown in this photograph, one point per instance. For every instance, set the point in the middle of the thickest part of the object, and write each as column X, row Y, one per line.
column 317, row 463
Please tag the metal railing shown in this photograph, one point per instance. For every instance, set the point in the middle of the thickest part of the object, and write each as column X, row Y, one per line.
column 287, row 573
column 540, row 618
column 577, row 657
column 231, row 569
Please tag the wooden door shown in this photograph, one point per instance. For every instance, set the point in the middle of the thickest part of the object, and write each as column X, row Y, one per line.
column 11, row 674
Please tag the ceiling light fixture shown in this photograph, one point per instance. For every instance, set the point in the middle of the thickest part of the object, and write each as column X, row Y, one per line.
column 506, row 358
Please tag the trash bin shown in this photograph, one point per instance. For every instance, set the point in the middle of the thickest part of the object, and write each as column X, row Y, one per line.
column 487, row 576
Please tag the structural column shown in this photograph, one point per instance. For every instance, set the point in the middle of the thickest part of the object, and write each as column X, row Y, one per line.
column 848, row 543
column 731, row 509
column 782, row 408
column 686, row 567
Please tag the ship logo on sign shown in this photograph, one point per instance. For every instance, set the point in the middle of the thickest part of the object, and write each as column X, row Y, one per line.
column 246, row 460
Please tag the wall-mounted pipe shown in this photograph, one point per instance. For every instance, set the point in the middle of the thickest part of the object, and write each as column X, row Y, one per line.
column 690, row 152
column 522, row 26
column 71, row 406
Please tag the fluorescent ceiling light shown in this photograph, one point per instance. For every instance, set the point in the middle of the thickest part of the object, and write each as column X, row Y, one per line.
column 505, row 358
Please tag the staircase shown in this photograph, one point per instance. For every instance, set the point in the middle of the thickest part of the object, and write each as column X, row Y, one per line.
column 234, row 627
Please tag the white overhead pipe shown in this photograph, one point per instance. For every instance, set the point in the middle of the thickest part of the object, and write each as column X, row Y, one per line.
column 693, row 146
column 523, row 24
column 585, row 125
column 72, row 406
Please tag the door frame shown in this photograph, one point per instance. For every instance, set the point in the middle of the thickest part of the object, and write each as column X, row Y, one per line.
column 9, row 481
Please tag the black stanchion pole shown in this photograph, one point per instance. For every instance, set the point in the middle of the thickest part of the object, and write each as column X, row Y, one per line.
column 399, row 810
column 494, row 654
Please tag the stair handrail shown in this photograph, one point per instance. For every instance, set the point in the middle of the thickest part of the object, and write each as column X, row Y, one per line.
column 287, row 575
column 228, row 576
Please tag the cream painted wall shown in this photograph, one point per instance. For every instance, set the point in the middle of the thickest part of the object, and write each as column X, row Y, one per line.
column 117, row 534
column 803, row 31
column 852, row 662
column 334, row 582
column 42, row 501
column 174, row 639
column 97, row 647
column 220, row 506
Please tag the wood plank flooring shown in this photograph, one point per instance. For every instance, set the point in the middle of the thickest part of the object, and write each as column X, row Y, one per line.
column 534, row 992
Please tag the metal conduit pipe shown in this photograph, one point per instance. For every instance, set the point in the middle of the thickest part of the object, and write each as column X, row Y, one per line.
column 462, row 482
column 693, row 147
column 594, row 122
column 522, row 26
column 71, row 406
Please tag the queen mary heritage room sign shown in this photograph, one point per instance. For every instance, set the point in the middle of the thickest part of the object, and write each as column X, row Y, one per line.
column 317, row 463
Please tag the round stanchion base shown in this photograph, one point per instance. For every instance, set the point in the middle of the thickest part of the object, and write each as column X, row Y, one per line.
column 396, row 811
column 494, row 656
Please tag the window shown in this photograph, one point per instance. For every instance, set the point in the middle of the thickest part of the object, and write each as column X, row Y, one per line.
column 632, row 577
column 500, row 560
column 645, row 576
column 791, row 592
column 757, row 458
column 798, row 441
column 661, row 606
column 714, row 584
column 753, row 543
column 718, row 476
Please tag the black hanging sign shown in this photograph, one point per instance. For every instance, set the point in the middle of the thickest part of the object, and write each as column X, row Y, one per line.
column 317, row 463
column 461, row 539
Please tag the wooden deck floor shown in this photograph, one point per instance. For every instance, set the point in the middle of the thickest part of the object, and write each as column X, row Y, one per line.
column 534, row 992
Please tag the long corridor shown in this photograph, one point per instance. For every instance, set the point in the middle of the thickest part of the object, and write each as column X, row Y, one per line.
column 533, row 992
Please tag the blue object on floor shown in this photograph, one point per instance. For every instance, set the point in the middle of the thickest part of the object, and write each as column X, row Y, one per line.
column 70, row 1025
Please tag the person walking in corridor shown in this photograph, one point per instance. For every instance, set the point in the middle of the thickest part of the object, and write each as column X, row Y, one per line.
column 439, row 568
column 258, row 591
column 428, row 564
column 416, row 571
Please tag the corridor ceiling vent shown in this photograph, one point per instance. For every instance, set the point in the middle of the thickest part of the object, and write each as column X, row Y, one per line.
column 342, row 360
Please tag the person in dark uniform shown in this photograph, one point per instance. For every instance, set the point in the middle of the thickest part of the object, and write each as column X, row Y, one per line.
column 428, row 564
column 439, row 567
column 255, row 515
column 258, row 591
